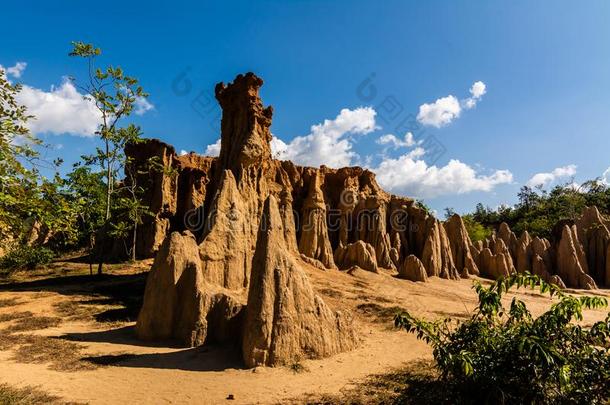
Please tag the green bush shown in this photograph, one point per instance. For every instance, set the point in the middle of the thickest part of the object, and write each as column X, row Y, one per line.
column 476, row 231
column 508, row 356
column 26, row 257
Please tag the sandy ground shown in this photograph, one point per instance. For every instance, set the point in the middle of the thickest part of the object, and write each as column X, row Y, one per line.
column 145, row 374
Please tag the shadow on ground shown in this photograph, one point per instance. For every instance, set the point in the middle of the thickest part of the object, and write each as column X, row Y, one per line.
column 126, row 291
column 205, row 358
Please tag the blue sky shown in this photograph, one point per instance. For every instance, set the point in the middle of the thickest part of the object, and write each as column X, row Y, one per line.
column 545, row 67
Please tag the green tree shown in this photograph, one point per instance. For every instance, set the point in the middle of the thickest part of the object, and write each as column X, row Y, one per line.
column 130, row 211
column 115, row 95
column 506, row 355
column 449, row 212
column 422, row 204
column 476, row 231
column 88, row 191
column 18, row 153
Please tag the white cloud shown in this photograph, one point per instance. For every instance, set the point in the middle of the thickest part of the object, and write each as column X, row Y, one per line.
column 446, row 109
column 213, row 149
column 15, row 70
column 545, row 178
column 408, row 175
column 440, row 113
column 416, row 153
column 478, row 89
column 606, row 176
column 395, row 142
column 142, row 105
column 329, row 143
column 183, row 152
column 278, row 147
column 63, row 110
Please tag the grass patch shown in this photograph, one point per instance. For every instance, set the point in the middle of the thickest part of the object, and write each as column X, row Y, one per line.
column 75, row 311
column 368, row 297
column 31, row 323
column 8, row 340
column 25, row 396
column 377, row 312
column 297, row 367
column 9, row 302
column 415, row 384
column 15, row 315
column 331, row 293
column 60, row 354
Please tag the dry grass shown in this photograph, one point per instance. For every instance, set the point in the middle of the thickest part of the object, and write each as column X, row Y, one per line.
column 297, row 367
column 60, row 354
column 28, row 396
column 8, row 340
column 331, row 293
column 417, row 383
column 9, row 302
column 75, row 311
column 34, row 323
column 368, row 297
column 15, row 315
column 25, row 396
column 377, row 312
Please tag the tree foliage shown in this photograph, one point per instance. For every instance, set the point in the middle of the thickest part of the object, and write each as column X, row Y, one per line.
column 28, row 201
column 67, row 212
column 538, row 210
column 507, row 355
column 115, row 95
column 17, row 146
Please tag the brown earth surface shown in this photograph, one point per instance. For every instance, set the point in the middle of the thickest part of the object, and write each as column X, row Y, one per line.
column 71, row 336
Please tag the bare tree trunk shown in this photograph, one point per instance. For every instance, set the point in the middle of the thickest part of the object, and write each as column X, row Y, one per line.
column 108, row 193
column 108, row 180
column 90, row 255
column 133, row 241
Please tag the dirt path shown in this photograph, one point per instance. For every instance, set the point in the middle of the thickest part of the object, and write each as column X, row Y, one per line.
column 105, row 364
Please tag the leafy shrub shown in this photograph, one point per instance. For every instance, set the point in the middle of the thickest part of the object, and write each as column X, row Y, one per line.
column 27, row 257
column 476, row 231
column 500, row 356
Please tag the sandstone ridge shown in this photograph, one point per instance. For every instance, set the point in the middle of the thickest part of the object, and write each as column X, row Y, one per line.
column 232, row 233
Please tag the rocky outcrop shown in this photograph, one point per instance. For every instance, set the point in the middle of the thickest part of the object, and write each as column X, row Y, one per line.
column 495, row 265
column 523, row 254
column 509, row 239
column 179, row 304
column 285, row 320
column 246, row 139
column 359, row 254
column 233, row 235
column 571, row 261
column 495, row 259
column 314, row 241
column 200, row 285
column 150, row 168
column 576, row 258
column 461, row 246
column 436, row 256
column 593, row 233
column 412, row 269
